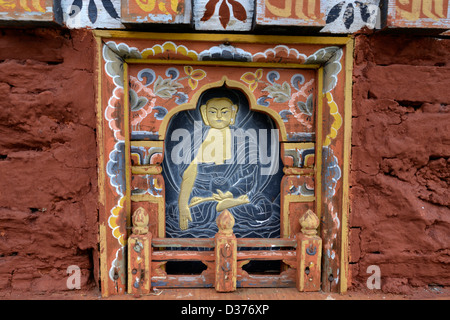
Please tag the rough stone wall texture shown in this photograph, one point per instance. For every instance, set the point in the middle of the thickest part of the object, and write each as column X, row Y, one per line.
column 400, row 172
column 48, row 184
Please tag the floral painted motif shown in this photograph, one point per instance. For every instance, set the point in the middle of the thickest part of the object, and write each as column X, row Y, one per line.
column 332, row 172
column 236, row 15
column 337, row 119
column 90, row 13
column 331, row 58
column 301, row 104
column 194, row 76
column 117, row 213
column 142, row 97
column 111, row 113
column 169, row 50
column 150, row 86
column 278, row 92
column 114, row 56
column 224, row 52
column 77, row 6
column 142, row 101
column 166, row 88
column 280, row 53
column 349, row 16
column 252, row 79
column 349, row 13
column 332, row 175
column 302, row 111
column 335, row 16
column 115, row 169
column 239, row 11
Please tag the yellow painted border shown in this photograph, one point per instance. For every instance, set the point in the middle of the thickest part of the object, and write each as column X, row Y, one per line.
column 99, row 115
column 147, row 143
column 210, row 37
column 151, row 169
column 103, row 255
column 225, row 63
column 103, row 260
column 130, row 244
column 127, row 136
column 348, row 97
column 299, row 145
column 319, row 144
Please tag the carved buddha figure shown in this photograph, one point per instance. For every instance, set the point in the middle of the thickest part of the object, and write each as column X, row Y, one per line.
column 219, row 114
column 217, row 179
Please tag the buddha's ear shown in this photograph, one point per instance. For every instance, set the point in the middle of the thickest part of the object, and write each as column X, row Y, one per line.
column 234, row 110
column 203, row 112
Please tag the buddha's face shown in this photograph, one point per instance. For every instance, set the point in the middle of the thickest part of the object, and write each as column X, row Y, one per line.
column 219, row 113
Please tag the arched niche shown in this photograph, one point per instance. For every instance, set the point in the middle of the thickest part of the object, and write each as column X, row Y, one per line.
column 253, row 169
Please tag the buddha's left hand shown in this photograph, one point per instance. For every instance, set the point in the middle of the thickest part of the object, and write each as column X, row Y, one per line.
column 231, row 202
column 220, row 196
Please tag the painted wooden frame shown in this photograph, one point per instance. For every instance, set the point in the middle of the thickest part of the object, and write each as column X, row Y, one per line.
column 331, row 61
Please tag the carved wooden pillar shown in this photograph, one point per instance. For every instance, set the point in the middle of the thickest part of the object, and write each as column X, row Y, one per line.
column 139, row 254
column 225, row 253
column 309, row 253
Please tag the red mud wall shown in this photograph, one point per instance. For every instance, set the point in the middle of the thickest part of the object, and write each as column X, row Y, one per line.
column 400, row 173
column 48, row 176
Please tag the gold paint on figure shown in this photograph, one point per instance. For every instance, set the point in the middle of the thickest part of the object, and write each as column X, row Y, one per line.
column 219, row 114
